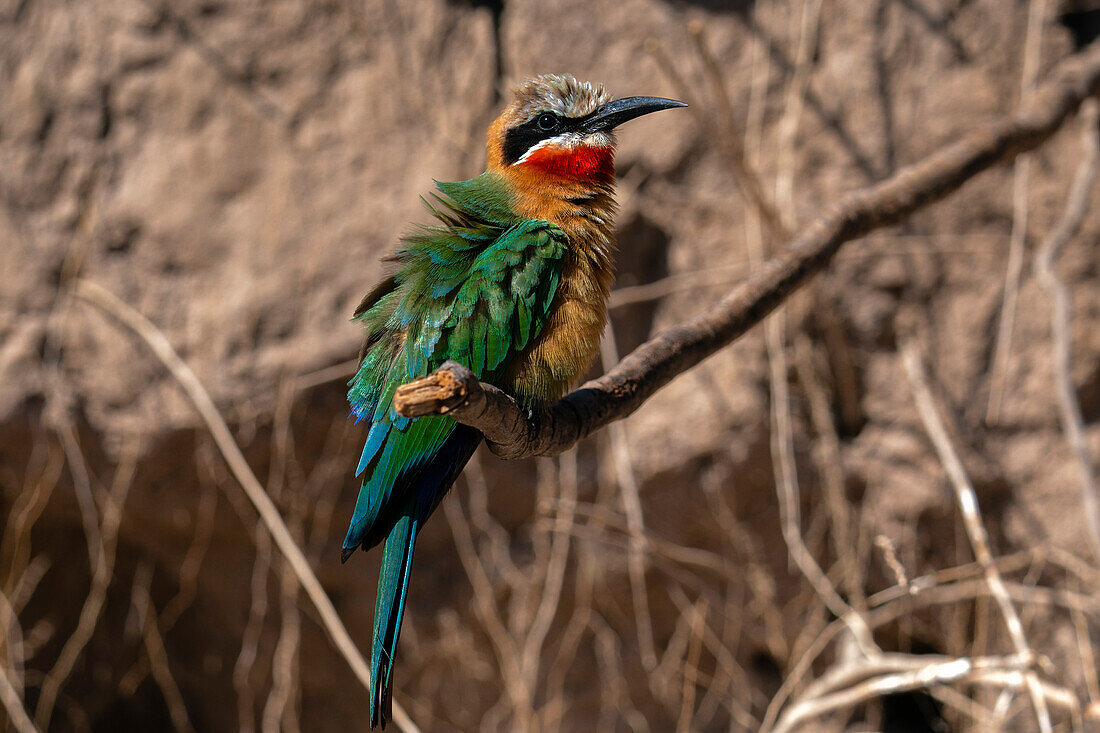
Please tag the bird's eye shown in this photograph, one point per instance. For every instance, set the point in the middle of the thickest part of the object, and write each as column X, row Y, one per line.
column 547, row 121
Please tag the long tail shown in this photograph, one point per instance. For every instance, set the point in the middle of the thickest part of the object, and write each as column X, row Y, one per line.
column 389, row 605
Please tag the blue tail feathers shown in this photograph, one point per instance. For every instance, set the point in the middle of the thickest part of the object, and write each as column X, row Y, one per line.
column 413, row 499
column 393, row 585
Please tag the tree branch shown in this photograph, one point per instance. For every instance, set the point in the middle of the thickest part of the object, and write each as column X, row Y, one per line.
column 513, row 433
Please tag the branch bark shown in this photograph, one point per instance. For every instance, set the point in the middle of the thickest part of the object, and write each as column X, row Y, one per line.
column 513, row 433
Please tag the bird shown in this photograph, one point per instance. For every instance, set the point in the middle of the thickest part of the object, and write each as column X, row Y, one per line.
column 511, row 280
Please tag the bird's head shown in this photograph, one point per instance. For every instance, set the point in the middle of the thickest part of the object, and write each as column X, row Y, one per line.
column 558, row 129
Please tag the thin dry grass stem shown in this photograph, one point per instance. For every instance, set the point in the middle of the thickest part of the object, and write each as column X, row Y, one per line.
column 830, row 467
column 890, row 557
column 691, row 667
column 755, row 242
column 761, row 584
column 19, row 646
column 666, row 677
column 278, row 710
column 28, row 582
column 11, row 639
column 956, row 700
column 1087, row 654
column 741, row 165
column 250, row 637
column 794, row 103
column 1001, row 708
column 154, row 649
column 782, row 431
column 337, row 372
column 916, row 586
column 677, row 283
column 678, row 556
column 790, row 514
column 105, row 539
column 736, row 679
column 747, row 181
column 968, row 507
column 82, row 489
column 555, row 573
column 555, row 706
column 199, row 397
column 978, row 588
column 508, row 655
column 1082, row 570
column 17, row 714
column 201, row 533
column 325, row 475
column 15, row 545
column 527, row 597
column 609, row 664
column 726, row 275
column 1073, row 425
column 496, row 539
column 632, row 507
column 1018, row 238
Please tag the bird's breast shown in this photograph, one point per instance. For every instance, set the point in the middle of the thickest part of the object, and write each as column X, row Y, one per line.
column 570, row 338
column 584, row 209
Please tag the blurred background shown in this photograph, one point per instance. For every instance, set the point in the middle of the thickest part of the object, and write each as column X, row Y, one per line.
column 234, row 171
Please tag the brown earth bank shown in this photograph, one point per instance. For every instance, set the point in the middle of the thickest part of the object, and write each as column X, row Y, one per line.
column 235, row 170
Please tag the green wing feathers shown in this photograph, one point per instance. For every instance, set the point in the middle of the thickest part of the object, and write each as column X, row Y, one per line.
column 476, row 288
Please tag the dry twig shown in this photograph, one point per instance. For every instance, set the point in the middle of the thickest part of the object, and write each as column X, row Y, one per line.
column 16, row 712
column 154, row 649
column 103, row 540
column 632, row 506
column 1003, row 346
column 508, row 655
column 1077, row 205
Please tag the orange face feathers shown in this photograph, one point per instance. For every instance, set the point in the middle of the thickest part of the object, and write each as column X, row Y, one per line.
column 546, row 112
column 563, row 128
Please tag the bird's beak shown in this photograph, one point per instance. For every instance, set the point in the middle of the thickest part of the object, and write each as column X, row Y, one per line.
column 613, row 114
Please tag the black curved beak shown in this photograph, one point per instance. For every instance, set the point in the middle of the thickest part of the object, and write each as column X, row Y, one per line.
column 613, row 114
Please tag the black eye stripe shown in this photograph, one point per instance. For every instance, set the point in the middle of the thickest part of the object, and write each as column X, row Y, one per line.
column 521, row 138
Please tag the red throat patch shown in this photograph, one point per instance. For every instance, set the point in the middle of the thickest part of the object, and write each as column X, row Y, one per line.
column 582, row 162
